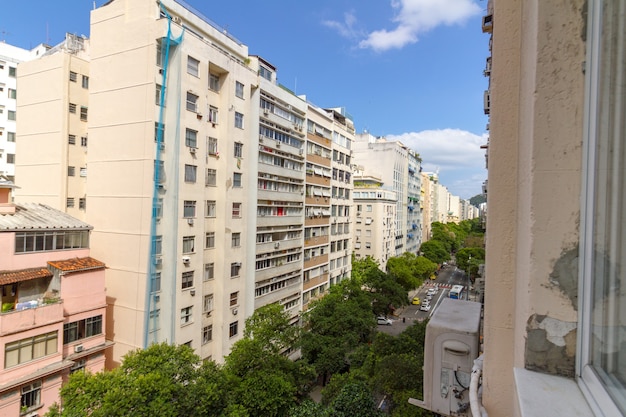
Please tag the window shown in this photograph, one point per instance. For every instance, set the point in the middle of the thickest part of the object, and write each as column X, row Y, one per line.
column 12, row 93
column 189, row 244
column 212, row 146
column 83, row 113
column 83, row 141
column 157, row 97
column 192, row 102
column 191, row 138
column 157, row 245
column 31, row 395
column 189, row 209
column 79, row 366
column 207, row 334
column 26, row 350
column 236, row 240
column 159, row 129
column 159, row 171
column 158, row 208
column 209, row 240
column 237, row 180
column 190, row 173
column 82, row 329
column 83, row 172
column 265, row 73
column 85, row 82
column 10, row 136
column 238, row 89
column 233, row 329
column 192, row 66
column 72, row 108
column 155, row 284
column 210, row 208
column 211, row 177
column 213, row 114
column 238, row 120
column 11, row 115
column 603, row 305
column 10, row 158
column 234, row 269
column 82, row 203
column 214, row 82
column 44, row 241
column 73, row 76
column 12, row 72
column 69, row 203
column 185, row 315
column 233, row 298
column 207, row 305
column 187, row 279
column 236, row 210
column 71, row 171
column 160, row 56
column 71, row 139
column 209, row 271
column 238, row 149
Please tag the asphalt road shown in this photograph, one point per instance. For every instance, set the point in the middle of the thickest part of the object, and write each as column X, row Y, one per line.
column 406, row 316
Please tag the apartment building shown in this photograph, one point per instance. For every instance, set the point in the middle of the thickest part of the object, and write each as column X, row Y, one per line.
column 554, row 317
column 53, row 304
column 52, row 127
column 415, row 213
column 10, row 57
column 390, row 162
column 376, row 217
column 341, row 200
column 317, row 240
column 280, row 203
column 426, row 203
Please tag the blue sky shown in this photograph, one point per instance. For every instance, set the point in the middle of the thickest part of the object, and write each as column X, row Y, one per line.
column 410, row 70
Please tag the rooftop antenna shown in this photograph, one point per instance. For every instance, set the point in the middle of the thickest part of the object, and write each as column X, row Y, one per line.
column 295, row 87
column 94, row 4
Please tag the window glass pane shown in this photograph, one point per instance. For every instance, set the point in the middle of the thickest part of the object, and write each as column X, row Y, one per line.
column 607, row 340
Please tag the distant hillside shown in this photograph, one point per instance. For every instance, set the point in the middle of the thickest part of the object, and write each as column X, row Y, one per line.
column 477, row 200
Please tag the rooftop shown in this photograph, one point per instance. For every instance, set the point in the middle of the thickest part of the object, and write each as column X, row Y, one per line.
column 34, row 216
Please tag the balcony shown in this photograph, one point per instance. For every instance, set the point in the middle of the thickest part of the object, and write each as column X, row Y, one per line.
column 24, row 316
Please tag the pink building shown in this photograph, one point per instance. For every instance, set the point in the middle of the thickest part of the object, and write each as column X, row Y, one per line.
column 53, row 304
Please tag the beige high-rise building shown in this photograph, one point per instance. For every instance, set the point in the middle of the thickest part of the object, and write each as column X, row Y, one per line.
column 201, row 170
column 53, row 124
column 555, row 296
column 376, row 217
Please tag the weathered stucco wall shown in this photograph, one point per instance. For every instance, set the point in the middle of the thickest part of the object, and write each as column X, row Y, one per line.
column 535, row 155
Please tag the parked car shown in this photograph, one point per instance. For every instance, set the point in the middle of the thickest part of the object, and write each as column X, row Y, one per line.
column 416, row 301
column 383, row 320
column 425, row 307
column 431, row 291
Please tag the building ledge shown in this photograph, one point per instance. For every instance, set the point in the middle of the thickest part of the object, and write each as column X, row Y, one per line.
column 540, row 395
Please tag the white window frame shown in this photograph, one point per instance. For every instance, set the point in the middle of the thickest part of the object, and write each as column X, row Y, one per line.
column 239, row 89
column 589, row 382
column 193, row 66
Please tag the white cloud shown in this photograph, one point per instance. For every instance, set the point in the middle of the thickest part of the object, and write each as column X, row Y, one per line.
column 345, row 28
column 419, row 16
column 454, row 153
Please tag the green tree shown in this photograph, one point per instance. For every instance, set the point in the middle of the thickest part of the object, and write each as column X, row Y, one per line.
column 336, row 324
column 355, row 399
column 362, row 267
column 386, row 293
column 468, row 259
column 263, row 381
column 401, row 268
column 435, row 251
column 163, row 380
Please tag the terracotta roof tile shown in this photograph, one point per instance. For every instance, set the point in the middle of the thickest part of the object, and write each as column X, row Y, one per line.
column 10, row 277
column 77, row 264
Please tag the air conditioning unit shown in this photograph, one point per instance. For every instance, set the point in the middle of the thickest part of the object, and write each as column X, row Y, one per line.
column 276, row 245
column 451, row 345
column 176, row 19
column 158, row 261
column 278, row 144
column 301, row 151
column 261, row 137
column 162, row 146
column 235, row 311
column 190, row 222
column 192, row 151
column 186, row 259
column 192, row 292
column 78, row 348
column 157, row 298
column 266, row 112
column 237, row 263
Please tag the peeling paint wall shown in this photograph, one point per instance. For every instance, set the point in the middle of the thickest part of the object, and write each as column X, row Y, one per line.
column 550, row 345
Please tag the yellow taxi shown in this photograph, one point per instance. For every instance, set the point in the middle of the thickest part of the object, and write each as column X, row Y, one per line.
column 416, row 301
